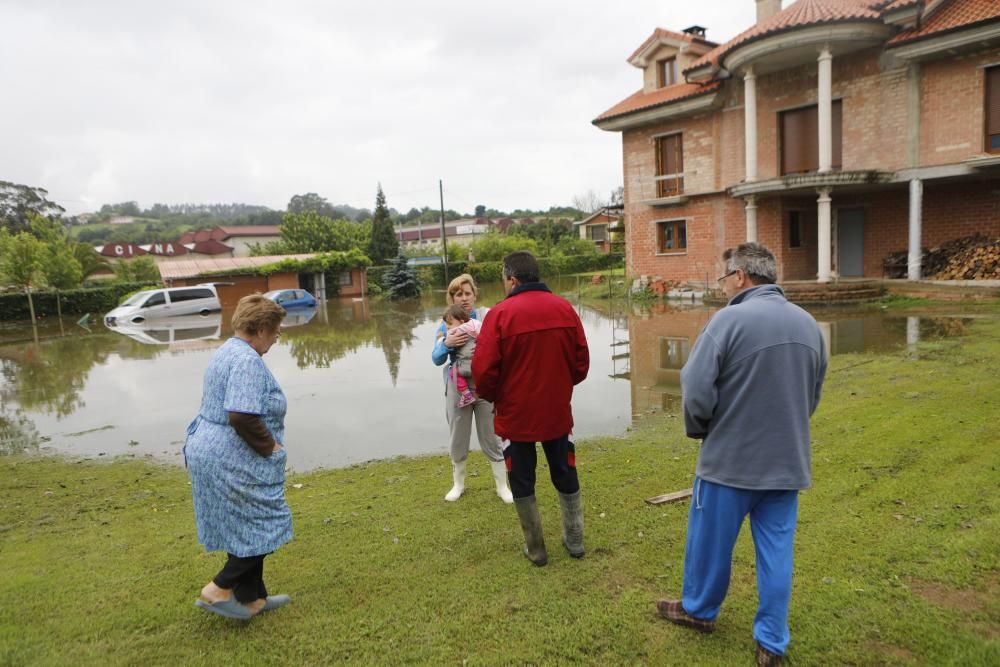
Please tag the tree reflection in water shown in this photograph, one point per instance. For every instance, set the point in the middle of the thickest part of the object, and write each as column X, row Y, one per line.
column 17, row 433
column 50, row 377
column 349, row 326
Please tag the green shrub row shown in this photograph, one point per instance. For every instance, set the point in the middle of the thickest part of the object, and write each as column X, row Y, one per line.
column 490, row 272
column 96, row 300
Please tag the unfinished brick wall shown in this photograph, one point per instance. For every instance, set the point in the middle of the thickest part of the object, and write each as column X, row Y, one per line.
column 952, row 107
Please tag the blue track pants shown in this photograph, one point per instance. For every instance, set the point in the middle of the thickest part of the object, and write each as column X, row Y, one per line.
column 717, row 513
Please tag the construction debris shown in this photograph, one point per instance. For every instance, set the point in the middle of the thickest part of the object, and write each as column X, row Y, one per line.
column 969, row 258
column 669, row 497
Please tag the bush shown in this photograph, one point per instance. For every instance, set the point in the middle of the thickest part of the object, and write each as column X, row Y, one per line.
column 99, row 300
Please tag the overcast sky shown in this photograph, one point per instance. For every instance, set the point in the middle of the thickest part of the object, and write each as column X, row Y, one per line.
column 253, row 102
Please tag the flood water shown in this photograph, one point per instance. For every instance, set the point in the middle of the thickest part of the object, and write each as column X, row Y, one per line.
column 357, row 374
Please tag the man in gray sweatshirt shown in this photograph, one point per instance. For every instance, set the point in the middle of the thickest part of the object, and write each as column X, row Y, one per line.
column 750, row 385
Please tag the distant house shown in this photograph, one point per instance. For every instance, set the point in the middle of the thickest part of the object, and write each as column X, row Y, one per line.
column 600, row 226
column 462, row 231
column 121, row 220
column 836, row 132
column 240, row 238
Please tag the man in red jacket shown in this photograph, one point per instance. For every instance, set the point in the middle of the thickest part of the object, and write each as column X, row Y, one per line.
column 530, row 353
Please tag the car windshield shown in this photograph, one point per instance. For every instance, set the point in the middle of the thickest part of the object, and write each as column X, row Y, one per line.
column 136, row 298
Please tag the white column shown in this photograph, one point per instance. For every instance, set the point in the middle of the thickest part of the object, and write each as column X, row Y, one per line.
column 751, row 210
column 823, row 235
column 825, row 109
column 750, row 124
column 913, row 256
column 912, row 334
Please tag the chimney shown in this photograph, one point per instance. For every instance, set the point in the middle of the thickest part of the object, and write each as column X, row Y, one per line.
column 766, row 9
column 695, row 31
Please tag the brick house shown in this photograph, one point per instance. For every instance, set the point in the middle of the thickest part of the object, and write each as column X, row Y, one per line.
column 833, row 131
column 602, row 228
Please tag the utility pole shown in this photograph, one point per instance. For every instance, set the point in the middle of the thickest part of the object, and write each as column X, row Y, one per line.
column 444, row 239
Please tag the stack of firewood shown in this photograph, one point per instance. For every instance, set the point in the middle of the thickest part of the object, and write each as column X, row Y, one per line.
column 970, row 258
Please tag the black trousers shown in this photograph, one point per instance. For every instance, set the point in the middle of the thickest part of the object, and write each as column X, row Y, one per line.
column 521, row 459
column 245, row 576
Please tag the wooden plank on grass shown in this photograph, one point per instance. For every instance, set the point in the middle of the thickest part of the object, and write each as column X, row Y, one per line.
column 669, row 497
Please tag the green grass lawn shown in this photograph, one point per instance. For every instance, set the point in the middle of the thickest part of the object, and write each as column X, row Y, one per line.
column 896, row 557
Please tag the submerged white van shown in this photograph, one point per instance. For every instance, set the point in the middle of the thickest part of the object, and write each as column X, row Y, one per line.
column 167, row 302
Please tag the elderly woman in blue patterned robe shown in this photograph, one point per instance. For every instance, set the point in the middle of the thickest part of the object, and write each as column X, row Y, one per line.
column 236, row 460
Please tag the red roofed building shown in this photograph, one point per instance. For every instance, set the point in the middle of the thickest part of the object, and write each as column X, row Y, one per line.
column 836, row 132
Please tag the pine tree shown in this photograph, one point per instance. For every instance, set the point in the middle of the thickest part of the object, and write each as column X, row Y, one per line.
column 401, row 281
column 384, row 244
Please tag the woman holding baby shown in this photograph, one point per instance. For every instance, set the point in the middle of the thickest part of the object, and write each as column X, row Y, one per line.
column 453, row 346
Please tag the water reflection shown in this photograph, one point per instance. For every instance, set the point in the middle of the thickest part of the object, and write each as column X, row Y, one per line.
column 357, row 374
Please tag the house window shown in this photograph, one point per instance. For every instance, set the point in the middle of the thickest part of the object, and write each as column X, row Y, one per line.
column 345, row 279
column 671, row 236
column 598, row 232
column 669, row 166
column 800, row 139
column 667, row 73
column 993, row 109
column 795, row 229
column 673, row 352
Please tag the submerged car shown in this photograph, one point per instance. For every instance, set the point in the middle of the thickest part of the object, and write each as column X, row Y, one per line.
column 173, row 330
column 292, row 298
column 166, row 302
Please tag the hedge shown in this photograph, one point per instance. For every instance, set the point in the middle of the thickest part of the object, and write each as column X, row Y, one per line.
column 97, row 300
column 490, row 272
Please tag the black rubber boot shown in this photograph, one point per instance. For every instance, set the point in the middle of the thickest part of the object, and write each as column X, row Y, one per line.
column 572, row 518
column 531, row 524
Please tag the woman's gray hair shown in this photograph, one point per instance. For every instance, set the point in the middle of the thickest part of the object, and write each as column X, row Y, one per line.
column 755, row 260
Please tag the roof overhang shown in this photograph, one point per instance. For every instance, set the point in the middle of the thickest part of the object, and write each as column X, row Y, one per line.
column 798, row 46
column 903, row 17
column 666, row 111
column 933, row 46
column 810, row 182
column 641, row 58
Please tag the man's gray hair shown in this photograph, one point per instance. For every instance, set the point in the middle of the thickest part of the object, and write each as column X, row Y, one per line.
column 754, row 260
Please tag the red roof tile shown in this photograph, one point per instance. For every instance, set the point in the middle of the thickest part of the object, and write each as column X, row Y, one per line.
column 668, row 34
column 221, row 233
column 211, row 247
column 953, row 15
column 799, row 15
column 642, row 100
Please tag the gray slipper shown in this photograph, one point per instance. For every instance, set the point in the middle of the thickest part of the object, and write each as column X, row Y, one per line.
column 230, row 608
column 275, row 601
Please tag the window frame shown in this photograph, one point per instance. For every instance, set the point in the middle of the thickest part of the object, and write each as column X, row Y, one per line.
column 349, row 281
column 991, row 78
column 798, row 224
column 837, row 140
column 676, row 224
column 662, row 177
column 661, row 72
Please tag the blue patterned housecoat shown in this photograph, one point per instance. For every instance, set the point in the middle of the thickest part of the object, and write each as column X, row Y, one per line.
column 239, row 495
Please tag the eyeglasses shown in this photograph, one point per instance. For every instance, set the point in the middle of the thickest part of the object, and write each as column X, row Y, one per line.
column 721, row 278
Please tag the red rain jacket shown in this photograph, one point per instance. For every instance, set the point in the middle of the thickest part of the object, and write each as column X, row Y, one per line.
column 531, row 351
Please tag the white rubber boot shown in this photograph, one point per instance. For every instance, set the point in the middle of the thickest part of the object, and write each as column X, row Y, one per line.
column 500, row 477
column 458, row 475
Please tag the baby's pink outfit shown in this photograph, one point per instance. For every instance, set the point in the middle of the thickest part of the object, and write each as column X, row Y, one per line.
column 463, row 361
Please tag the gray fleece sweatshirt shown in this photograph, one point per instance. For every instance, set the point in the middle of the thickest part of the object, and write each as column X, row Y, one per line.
column 750, row 385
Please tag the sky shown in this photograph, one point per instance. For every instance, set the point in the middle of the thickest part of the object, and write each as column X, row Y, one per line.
column 249, row 101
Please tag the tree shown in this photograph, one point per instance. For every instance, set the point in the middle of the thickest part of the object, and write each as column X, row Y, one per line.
column 493, row 246
column 90, row 261
column 311, row 201
column 19, row 202
column 312, row 232
column 401, row 281
column 138, row 270
column 588, row 202
column 384, row 244
column 57, row 264
column 20, row 258
column 617, row 197
column 480, row 211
